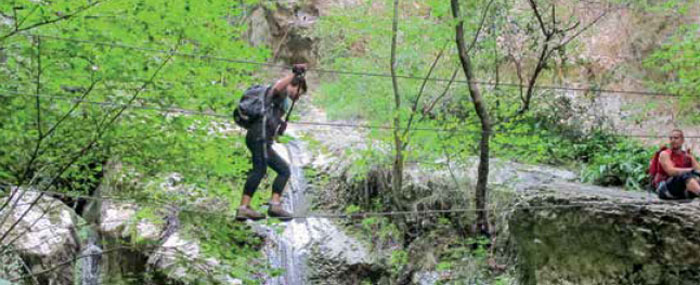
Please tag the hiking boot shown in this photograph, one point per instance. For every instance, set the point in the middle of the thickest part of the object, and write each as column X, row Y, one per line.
column 278, row 212
column 245, row 213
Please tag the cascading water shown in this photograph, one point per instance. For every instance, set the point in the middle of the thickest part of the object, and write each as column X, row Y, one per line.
column 92, row 253
column 289, row 249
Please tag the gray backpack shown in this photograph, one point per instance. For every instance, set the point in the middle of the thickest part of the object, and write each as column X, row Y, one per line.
column 251, row 106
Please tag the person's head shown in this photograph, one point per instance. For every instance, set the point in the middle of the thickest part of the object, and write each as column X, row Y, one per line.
column 296, row 88
column 676, row 139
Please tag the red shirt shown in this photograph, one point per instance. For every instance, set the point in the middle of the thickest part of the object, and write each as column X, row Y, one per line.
column 680, row 159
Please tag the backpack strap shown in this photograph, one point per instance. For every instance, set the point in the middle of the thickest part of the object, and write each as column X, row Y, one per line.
column 655, row 167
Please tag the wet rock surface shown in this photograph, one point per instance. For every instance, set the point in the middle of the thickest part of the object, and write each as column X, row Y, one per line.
column 310, row 250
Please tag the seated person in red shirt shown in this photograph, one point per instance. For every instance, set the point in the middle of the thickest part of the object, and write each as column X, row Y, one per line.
column 680, row 172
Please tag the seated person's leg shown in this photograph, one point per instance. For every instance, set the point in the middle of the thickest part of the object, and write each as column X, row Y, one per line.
column 677, row 186
column 693, row 186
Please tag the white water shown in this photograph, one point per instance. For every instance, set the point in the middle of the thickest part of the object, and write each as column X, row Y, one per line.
column 289, row 249
column 91, row 262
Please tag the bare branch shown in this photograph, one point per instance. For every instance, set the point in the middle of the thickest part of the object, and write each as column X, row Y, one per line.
column 579, row 32
column 14, row 16
column 481, row 25
column 40, row 137
column 51, row 207
column 554, row 19
column 541, row 63
column 69, row 262
column 420, row 92
column 569, row 29
column 447, row 88
column 20, row 23
column 47, row 22
column 546, row 52
column 539, row 17
column 75, row 106
column 38, row 90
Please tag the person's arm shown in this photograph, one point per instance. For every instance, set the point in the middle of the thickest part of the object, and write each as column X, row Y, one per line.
column 283, row 82
column 667, row 164
column 696, row 166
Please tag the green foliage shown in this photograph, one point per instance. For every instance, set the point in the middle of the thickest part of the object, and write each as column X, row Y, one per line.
column 677, row 65
column 352, row 209
column 468, row 260
column 235, row 244
column 149, row 143
column 398, row 260
column 617, row 162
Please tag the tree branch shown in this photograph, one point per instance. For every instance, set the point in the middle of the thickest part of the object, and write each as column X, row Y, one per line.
column 539, row 17
column 68, row 262
column 444, row 92
column 38, row 90
column 89, row 146
column 51, row 21
column 420, row 93
column 541, row 63
column 40, row 136
column 51, row 207
column 579, row 32
column 481, row 25
column 20, row 23
column 75, row 106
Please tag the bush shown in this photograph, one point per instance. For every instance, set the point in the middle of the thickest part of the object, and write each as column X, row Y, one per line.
column 617, row 162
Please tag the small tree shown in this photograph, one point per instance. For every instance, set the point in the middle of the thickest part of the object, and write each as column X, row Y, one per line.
column 555, row 37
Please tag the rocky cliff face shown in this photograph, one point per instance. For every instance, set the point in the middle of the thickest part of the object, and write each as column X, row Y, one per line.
column 284, row 27
column 578, row 234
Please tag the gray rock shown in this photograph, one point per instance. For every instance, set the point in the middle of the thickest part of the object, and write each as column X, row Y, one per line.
column 162, row 248
column 284, row 26
column 579, row 234
column 181, row 260
column 119, row 221
column 45, row 237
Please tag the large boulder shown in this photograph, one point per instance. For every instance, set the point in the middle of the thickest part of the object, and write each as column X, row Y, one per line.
column 181, row 260
column 158, row 243
column 576, row 234
column 45, row 238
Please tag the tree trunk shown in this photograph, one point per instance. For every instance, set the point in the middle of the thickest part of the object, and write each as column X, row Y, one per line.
column 397, row 174
column 482, row 224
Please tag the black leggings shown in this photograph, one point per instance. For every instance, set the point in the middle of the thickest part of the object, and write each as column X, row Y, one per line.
column 260, row 164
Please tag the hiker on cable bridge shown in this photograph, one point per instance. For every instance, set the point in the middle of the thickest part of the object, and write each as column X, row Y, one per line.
column 675, row 172
column 261, row 111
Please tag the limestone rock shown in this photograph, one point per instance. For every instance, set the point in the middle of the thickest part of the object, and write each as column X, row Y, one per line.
column 118, row 221
column 45, row 237
column 284, row 26
column 591, row 235
column 181, row 260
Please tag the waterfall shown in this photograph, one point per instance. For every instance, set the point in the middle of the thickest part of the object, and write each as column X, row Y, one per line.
column 92, row 255
column 287, row 250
